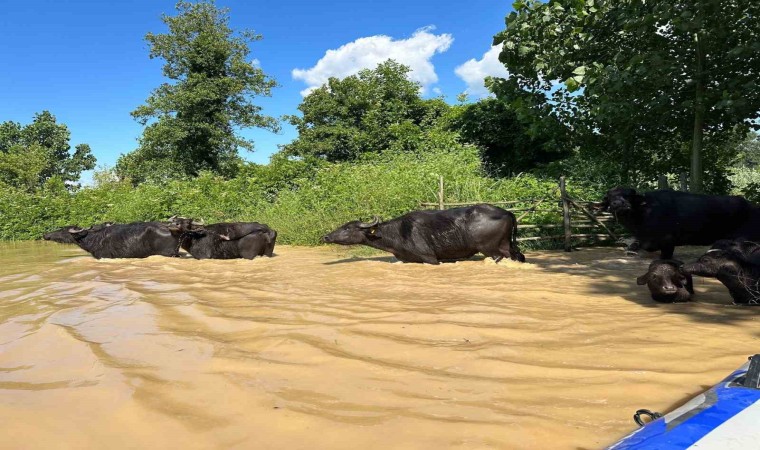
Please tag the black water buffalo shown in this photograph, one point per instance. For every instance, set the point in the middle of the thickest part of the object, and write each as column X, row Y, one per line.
column 133, row 240
column 666, row 283
column 62, row 235
column 435, row 236
column 661, row 220
column 749, row 230
column 230, row 240
column 732, row 267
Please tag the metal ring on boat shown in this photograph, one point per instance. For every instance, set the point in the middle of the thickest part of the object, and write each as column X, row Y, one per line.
column 645, row 412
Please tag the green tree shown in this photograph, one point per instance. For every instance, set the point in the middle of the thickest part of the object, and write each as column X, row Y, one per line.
column 645, row 76
column 34, row 153
column 193, row 119
column 369, row 112
column 508, row 144
column 748, row 150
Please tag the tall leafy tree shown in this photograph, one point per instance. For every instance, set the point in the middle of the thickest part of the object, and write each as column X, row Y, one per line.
column 34, row 153
column 374, row 110
column 509, row 144
column 644, row 75
column 192, row 121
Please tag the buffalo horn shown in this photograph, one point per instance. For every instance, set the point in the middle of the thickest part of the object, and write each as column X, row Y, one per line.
column 374, row 222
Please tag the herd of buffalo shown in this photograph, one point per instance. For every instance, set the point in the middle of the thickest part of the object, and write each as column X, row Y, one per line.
column 658, row 220
column 661, row 220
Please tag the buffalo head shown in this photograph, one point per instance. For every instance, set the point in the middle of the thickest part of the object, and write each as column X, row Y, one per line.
column 746, row 251
column 182, row 225
column 714, row 261
column 666, row 282
column 60, row 235
column 78, row 233
column 621, row 200
column 353, row 233
column 66, row 234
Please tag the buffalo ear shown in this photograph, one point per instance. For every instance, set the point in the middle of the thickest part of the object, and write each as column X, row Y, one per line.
column 639, row 200
column 642, row 280
column 373, row 232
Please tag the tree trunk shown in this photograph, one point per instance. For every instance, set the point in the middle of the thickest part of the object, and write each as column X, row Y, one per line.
column 696, row 184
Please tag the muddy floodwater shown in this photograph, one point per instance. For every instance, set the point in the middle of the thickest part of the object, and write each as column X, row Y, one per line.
column 315, row 349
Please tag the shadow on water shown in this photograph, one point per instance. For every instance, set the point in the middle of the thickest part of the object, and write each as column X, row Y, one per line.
column 387, row 259
column 610, row 271
column 615, row 275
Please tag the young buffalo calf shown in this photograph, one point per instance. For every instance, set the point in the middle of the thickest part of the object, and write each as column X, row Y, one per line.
column 666, row 283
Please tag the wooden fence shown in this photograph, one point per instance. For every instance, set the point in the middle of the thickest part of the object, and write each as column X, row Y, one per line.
column 580, row 222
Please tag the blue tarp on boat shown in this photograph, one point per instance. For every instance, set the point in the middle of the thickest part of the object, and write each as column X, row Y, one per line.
column 725, row 417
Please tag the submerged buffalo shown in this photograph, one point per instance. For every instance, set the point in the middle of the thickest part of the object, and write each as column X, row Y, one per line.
column 661, row 220
column 133, row 240
column 230, row 240
column 435, row 236
column 733, row 267
column 666, row 283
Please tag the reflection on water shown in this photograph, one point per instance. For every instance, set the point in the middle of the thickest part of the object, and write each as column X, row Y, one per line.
column 314, row 349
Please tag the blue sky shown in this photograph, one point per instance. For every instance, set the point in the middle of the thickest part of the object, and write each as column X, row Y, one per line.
column 87, row 61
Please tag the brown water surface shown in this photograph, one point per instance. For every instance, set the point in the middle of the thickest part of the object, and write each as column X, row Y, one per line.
column 313, row 349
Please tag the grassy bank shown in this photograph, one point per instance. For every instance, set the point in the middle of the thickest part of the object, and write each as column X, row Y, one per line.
column 301, row 200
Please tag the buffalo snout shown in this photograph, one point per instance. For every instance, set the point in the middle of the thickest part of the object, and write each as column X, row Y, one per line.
column 619, row 204
column 668, row 288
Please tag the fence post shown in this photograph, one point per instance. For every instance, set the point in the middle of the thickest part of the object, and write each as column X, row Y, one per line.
column 566, row 215
column 662, row 182
column 440, row 193
column 683, row 182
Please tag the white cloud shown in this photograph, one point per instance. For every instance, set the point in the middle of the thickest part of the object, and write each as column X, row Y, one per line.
column 474, row 71
column 368, row 52
column 437, row 91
